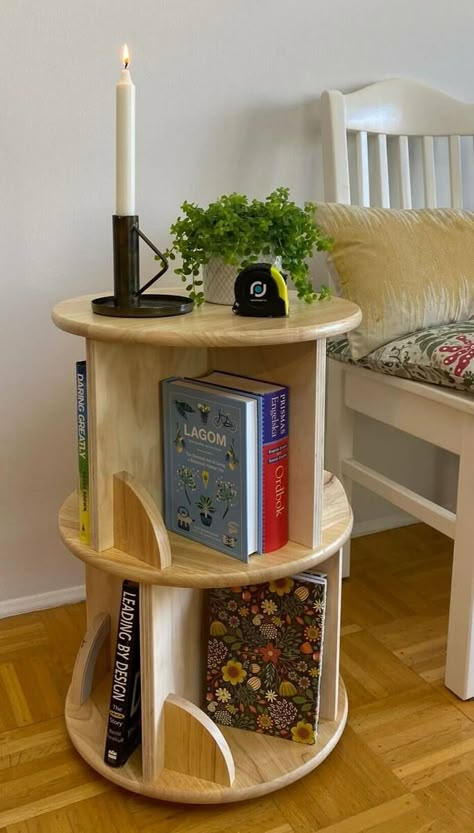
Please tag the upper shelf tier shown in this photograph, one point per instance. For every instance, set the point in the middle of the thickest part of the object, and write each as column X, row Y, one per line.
column 211, row 325
column 194, row 565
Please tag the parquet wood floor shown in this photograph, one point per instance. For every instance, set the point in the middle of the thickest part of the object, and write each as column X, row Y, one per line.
column 405, row 763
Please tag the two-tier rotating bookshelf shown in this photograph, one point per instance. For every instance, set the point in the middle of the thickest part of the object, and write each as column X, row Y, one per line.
column 184, row 756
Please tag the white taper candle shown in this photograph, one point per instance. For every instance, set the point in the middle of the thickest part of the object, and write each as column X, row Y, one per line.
column 125, row 141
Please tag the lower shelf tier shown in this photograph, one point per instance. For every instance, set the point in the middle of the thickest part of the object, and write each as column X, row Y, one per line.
column 194, row 565
column 263, row 764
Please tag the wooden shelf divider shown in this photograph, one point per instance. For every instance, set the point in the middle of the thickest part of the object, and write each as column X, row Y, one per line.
column 94, row 643
column 139, row 529
column 194, row 745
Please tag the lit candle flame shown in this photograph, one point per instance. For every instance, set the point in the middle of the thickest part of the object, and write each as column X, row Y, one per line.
column 125, row 56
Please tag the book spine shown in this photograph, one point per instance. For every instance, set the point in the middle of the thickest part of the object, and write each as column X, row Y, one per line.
column 123, row 726
column 167, row 480
column 324, row 583
column 274, row 503
column 83, row 452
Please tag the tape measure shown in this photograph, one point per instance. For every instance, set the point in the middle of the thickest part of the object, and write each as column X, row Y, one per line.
column 261, row 291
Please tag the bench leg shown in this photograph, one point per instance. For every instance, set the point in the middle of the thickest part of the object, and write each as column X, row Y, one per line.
column 460, row 654
column 339, row 438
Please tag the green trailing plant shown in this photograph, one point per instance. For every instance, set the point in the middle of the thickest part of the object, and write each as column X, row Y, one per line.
column 240, row 231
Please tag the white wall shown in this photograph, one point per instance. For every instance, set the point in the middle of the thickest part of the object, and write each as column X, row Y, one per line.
column 226, row 99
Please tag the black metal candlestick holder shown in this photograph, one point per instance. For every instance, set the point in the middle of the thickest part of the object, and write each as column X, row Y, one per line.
column 128, row 300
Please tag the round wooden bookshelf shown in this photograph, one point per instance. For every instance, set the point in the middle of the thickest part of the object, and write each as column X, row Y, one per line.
column 184, row 756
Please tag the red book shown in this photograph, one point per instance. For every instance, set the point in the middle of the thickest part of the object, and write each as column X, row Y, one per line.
column 273, row 411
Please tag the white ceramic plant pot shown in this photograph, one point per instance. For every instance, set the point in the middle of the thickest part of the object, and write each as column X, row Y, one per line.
column 218, row 281
column 219, row 278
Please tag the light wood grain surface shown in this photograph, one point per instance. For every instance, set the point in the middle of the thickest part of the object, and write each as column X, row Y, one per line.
column 127, row 360
column 173, row 650
column 193, row 565
column 125, row 420
column 262, row 763
column 194, row 745
column 96, row 639
column 138, row 525
column 404, row 764
column 125, row 433
column 211, row 325
column 302, row 367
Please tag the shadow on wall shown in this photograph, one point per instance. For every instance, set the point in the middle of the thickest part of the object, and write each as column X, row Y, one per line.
column 256, row 150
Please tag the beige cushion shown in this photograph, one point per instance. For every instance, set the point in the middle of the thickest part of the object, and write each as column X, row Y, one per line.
column 406, row 269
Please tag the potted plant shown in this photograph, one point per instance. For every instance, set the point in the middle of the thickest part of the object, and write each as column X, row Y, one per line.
column 204, row 409
column 204, row 504
column 234, row 232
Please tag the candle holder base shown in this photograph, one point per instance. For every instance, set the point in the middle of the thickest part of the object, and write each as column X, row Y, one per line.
column 128, row 300
column 149, row 306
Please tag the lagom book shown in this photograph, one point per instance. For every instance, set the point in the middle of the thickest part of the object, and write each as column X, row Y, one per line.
column 273, row 411
column 264, row 658
column 124, row 721
column 82, row 451
column 211, row 467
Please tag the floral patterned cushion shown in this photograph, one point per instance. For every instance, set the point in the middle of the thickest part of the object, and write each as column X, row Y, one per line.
column 442, row 355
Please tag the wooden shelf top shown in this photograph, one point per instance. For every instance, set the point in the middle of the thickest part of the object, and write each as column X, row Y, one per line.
column 211, row 325
column 262, row 763
column 194, row 565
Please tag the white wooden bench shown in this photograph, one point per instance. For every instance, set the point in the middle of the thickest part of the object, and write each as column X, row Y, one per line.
column 402, row 109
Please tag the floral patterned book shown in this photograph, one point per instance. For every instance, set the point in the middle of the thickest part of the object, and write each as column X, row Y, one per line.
column 264, row 656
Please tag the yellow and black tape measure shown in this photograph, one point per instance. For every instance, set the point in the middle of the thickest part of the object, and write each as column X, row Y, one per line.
column 261, row 291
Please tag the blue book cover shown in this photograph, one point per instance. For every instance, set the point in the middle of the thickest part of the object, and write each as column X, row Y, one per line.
column 273, row 410
column 211, row 466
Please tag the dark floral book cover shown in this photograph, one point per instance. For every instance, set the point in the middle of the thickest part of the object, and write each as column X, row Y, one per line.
column 264, row 656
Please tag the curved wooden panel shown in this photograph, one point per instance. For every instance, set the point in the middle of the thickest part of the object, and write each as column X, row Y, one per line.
column 91, row 645
column 139, row 529
column 194, row 745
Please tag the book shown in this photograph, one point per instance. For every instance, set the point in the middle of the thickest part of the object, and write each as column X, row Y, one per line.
column 83, row 451
column 211, row 468
column 273, row 415
column 264, row 658
column 124, row 721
